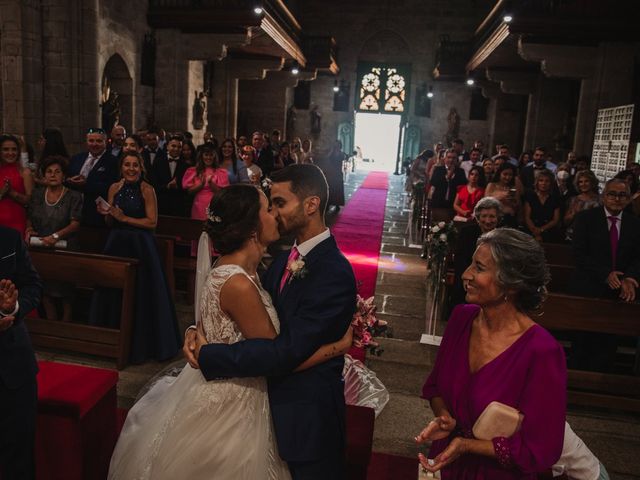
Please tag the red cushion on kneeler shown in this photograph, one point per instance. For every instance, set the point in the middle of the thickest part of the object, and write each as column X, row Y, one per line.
column 360, row 422
column 77, row 421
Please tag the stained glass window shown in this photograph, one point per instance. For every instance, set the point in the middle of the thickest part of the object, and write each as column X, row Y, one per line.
column 382, row 89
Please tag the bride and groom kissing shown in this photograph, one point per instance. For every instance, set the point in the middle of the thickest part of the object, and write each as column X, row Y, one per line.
column 262, row 396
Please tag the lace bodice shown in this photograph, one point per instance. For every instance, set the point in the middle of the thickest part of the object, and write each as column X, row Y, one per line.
column 218, row 326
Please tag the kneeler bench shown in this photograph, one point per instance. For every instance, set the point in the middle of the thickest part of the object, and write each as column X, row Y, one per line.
column 76, row 428
column 360, row 422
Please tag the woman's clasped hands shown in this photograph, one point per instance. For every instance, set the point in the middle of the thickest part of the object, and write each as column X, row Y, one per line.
column 437, row 429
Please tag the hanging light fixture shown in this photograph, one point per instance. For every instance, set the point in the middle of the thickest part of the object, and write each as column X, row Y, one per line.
column 257, row 9
column 336, row 88
column 295, row 69
column 470, row 82
column 507, row 18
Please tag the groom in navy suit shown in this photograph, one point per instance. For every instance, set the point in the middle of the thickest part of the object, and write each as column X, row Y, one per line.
column 315, row 304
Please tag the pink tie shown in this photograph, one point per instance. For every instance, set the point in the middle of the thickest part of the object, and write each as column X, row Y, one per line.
column 293, row 256
column 613, row 238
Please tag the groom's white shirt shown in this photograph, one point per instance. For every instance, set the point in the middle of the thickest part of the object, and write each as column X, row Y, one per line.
column 305, row 247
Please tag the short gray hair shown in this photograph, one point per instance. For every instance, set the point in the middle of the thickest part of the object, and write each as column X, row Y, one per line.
column 487, row 203
column 521, row 266
column 617, row 180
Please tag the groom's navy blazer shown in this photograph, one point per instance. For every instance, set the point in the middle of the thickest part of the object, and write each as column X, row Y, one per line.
column 307, row 407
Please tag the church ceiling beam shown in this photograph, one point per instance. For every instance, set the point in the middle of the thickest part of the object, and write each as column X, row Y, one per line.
column 560, row 61
column 275, row 22
column 513, row 82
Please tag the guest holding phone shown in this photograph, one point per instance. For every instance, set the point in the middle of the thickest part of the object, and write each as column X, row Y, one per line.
column 492, row 350
column 133, row 213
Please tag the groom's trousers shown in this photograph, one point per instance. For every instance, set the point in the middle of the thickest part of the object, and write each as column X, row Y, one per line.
column 332, row 468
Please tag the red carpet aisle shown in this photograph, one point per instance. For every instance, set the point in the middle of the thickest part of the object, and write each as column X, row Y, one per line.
column 358, row 231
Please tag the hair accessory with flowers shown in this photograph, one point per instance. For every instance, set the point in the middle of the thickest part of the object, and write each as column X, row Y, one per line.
column 213, row 218
column 366, row 326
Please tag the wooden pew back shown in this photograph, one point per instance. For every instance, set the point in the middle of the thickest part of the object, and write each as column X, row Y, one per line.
column 570, row 313
column 93, row 271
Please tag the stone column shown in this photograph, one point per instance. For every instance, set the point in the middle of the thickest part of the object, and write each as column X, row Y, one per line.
column 223, row 111
column 505, row 117
column 605, row 71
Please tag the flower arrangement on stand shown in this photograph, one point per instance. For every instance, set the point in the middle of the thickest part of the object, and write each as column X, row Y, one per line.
column 438, row 245
column 366, row 326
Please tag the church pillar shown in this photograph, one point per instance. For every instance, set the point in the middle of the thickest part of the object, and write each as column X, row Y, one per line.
column 178, row 53
column 223, row 106
column 505, row 116
column 605, row 73
column 263, row 103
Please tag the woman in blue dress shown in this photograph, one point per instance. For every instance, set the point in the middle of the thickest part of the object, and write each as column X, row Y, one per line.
column 132, row 214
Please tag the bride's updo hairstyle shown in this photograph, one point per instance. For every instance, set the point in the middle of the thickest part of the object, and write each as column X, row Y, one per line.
column 233, row 217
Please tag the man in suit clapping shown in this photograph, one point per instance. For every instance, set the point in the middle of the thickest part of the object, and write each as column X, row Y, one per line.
column 20, row 291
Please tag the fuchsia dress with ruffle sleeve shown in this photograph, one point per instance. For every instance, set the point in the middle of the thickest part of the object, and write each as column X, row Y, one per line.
column 530, row 376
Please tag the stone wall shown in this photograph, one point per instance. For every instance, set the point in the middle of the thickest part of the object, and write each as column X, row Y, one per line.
column 404, row 31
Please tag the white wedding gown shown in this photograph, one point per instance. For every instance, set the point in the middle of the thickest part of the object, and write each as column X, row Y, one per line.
column 188, row 428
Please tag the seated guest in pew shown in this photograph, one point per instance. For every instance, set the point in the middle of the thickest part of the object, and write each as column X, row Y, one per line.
column 542, row 209
column 92, row 173
column 487, row 214
column 606, row 247
column 445, row 181
column 20, row 291
column 586, row 184
column 507, row 191
column 470, row 194
column 132, row 214
column 493, row 351
column 54, row 215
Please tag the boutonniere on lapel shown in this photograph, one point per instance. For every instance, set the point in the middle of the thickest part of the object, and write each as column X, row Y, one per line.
column 297, row 268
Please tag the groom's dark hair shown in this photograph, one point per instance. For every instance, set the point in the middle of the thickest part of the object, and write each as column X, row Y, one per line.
column 306, row 181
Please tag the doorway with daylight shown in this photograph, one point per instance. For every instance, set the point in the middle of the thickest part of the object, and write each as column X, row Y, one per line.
column 381, row 104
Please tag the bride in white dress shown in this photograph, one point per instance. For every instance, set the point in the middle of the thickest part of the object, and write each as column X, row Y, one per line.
column 188, row 428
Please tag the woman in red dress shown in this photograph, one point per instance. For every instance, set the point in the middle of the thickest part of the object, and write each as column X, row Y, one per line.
column 16, row 185
column 470, row 194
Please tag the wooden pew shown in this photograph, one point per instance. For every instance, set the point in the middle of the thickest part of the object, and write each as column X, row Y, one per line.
column 185, row 230
column 93, row 240
column 560, row 278
column 565, row 312
column 558, row 254
column 92, row 271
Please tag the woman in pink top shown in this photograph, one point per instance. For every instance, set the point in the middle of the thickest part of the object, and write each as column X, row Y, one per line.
column 470, row 194
column 204, row 180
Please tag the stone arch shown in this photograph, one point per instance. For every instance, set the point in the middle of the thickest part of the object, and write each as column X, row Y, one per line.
column 116, row 76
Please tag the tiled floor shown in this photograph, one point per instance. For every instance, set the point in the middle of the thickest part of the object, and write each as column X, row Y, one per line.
column 400, row 296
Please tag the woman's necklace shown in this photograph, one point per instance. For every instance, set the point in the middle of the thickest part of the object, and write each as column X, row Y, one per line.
column 46, row 194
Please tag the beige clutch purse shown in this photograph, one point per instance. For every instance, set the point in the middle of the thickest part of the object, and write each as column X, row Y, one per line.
column 497, row 420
